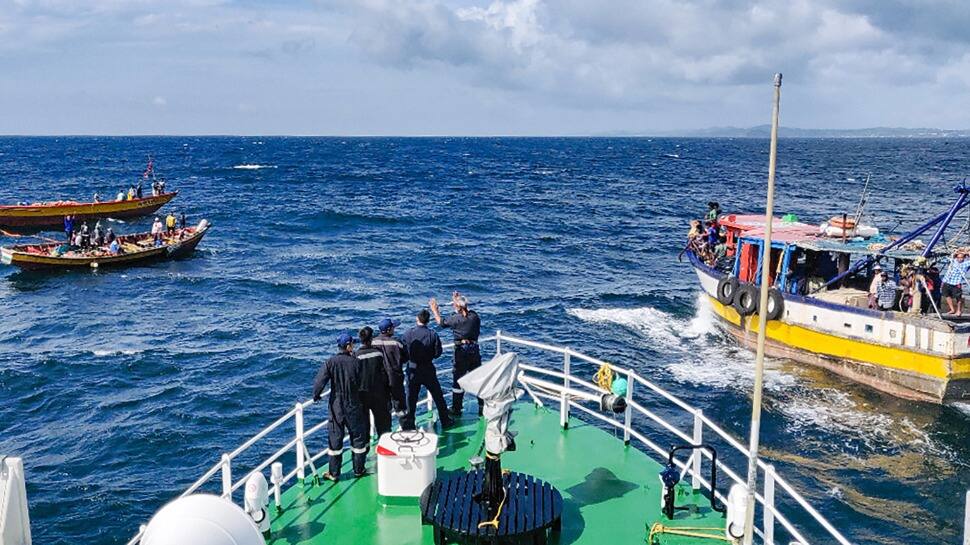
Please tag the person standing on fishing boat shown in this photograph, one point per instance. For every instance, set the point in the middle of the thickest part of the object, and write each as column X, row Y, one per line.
column 713, row 211
column 886, row 293
column 170, row 224
column 85, row 236
column 157, row 231
column 422, row 346
column 182, row 221
column 874, row 286
column 466, row 327
column 375, row 382
column 342, row 374
column 139, row 192
column 395, row 356
column 98, row 240
column 110, row 236
column 953, row 279
column 69, row 228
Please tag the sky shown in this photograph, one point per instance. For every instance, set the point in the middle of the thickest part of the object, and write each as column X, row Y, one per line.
column 465, row 67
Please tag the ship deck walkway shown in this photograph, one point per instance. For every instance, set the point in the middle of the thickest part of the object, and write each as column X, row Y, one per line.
column 611, row 492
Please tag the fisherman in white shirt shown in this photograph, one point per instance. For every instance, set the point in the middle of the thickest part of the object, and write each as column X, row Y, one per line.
column 157, row 231
column 874, row 285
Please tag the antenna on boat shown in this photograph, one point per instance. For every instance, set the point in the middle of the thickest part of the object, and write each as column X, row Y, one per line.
column 759, row 366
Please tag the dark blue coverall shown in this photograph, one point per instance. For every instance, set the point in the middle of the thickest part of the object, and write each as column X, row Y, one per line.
column 342, row 374
column 468, row 356
column 422, row 346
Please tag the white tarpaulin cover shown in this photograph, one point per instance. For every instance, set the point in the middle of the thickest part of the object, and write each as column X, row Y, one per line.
column 494, row 382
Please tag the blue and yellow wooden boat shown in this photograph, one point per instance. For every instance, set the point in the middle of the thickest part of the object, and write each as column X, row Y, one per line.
column 819, row 307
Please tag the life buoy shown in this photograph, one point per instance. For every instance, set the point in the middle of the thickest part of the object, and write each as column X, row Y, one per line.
column 776, row 304
column 838, row 223
column 726, row 289
column 746, row 299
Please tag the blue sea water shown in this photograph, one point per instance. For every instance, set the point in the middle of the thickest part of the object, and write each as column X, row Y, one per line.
column 119, row 388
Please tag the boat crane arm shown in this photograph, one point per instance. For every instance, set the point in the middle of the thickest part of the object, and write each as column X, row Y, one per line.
column 946, row 217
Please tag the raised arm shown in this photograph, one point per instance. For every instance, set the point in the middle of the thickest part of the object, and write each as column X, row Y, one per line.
column 435, row 311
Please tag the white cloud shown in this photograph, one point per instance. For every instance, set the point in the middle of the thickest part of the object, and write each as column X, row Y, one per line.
column 547, row 65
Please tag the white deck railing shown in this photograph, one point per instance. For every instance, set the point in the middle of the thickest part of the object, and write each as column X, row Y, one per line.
column 773, row 483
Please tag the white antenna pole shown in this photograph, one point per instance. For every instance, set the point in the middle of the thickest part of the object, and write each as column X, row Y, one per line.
column 759, row 366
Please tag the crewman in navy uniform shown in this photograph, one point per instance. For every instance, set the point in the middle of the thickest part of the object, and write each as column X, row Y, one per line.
column 342, row 374
column 395, row 356
column 423, row 346
column 376, row 376
column 466, row 326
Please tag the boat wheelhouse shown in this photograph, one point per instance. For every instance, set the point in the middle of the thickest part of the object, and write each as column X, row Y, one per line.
column 819, row 307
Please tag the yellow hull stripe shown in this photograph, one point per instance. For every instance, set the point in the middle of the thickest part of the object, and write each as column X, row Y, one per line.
column 851, row 349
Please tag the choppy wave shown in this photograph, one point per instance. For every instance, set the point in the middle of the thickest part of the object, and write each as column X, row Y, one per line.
column 252, row 166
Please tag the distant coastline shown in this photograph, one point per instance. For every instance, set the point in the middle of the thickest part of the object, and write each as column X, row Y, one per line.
column 763, row 131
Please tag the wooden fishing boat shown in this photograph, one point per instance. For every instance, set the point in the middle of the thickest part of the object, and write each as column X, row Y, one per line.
column 819, row 309
column 136, row 249
column 51, row 214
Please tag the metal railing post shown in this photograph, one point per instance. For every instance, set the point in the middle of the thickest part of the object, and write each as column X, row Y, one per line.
column 498, row 342
column 695, row 478
column 300, row 461
column 628, row 416
column 563, row 398
column 769, row 506
column 226, row 477
column 966, row 522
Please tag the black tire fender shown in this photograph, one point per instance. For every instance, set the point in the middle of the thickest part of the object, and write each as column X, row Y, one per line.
column 726, row 289
column 746, row 300
column 776, row 304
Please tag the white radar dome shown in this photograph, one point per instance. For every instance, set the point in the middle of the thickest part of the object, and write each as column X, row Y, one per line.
column 201, row 519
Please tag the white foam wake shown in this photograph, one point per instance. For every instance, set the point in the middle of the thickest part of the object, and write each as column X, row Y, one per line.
column 105, row 353
column 249, row 166
column 696, row 352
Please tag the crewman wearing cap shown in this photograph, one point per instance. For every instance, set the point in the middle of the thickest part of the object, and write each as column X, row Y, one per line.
column 466, row 326
column 395, row 356
column 423, row 345
column 342, row 374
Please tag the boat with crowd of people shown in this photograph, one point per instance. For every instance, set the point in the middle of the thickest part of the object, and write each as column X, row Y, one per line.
column 825, row 307
column 136, row 248
column 51, row 214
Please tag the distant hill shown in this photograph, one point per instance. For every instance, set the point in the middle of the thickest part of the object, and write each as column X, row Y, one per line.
column 763, row 131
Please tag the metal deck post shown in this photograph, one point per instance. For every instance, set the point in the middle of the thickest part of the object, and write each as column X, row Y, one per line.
column 628, row 417
column 226, row 477
column 769, row 506
column 695, row 478
column 563, row 398
column 300, row 461
column 498, row 342
column 966, row 522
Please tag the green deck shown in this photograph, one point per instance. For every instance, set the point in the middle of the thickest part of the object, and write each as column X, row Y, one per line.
column 611, row 492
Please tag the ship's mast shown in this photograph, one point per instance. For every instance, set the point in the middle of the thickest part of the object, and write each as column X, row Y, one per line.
column 759, row 365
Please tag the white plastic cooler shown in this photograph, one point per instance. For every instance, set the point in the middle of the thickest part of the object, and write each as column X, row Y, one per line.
column 406, row 463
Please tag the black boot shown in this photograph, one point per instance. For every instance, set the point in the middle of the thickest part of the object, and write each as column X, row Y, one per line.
column 457, row 402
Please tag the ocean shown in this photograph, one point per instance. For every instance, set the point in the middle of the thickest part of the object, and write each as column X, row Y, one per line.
column 119, row 388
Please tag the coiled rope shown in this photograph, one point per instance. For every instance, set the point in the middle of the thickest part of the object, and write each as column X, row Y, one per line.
column 689, row 531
